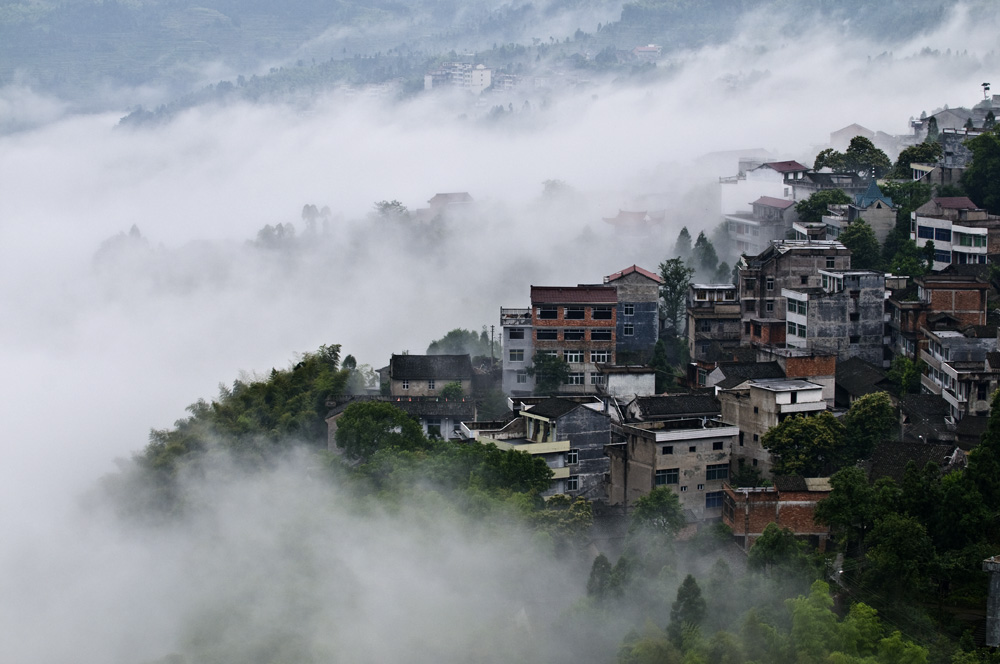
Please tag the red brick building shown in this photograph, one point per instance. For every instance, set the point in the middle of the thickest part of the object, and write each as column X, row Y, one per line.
column 790, row 503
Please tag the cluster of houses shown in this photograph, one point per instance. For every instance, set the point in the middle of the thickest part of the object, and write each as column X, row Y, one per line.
column 801, row 332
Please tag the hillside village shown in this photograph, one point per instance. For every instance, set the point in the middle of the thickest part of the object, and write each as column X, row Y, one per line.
column 619, row 396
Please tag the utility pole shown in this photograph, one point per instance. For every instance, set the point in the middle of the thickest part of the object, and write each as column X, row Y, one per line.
column 492, row 346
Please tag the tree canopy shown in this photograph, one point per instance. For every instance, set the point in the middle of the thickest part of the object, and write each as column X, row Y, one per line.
column 549, row 371
column 928, row 152
column 866, row 254
column 805, row 445
column 861, row 157
column 869, row 421
column 981, row 179
column 676, row 277
column 461, row 342
column 812, row 209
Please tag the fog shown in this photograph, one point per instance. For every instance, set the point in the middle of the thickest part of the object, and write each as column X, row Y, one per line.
column 101, row 346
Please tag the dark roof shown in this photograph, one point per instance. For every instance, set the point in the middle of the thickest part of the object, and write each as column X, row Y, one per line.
column 629, row 270
column 859, row 378
column 739, row 372
column 678, row 404
column 970, row 430
column 993, row 357
column 770, row 201
column 574, row 295
column 553, row 408
column 924, row 407
column 438, row 367
column 872, row 195
column 956, row 203
column 450, row 198
column 786, row 166
column 890, row 458
column 790, row 483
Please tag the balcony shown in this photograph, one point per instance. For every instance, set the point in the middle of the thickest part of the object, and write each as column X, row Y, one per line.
column 518, row 317
column 806, row 407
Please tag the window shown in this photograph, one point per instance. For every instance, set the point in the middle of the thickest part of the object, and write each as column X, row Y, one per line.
column 548, row 313
column 430, row 384
column 667, row 449
column 433, row 427
column 573, row 356
column 573, row 483
column 628, row 309
column 769, row 306
column 756, row 410
column 515, row 333
column 629, row 330
column 546, row 335
column 596, row 379
column 572, row 457
column 692, row 448
column 751, row 305
column 701, row 487
column 600, row 356
column 942, row 256
column 601, row 335
column 741, row 439
column 831, row 262
column 406, row 384
column 575, row 378
column 573, row 335
column 755, row 439
column 804, row 279
column 522, row 377
column 717, row 471
column 683, row 489
column 713, row 499
column 668, row 476
column 854, row 339
column 601, row 313
column 925, row 232
column 754, row 464
column 516, row 355
column 717, row 445
column 770, row 283
column 855, row 317
column 574, row 313
column 942, row 234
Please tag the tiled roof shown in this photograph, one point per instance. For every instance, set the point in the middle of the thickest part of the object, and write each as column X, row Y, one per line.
column 770, row 201
column 956, row 203
column 633, row 269
column 553, row 408
column 860, row 378
column 872, row 195
column 678, row 404
column 739, row 372
column 438, row 367
column 574, row 295
column 455, row 410
column 445, row 199
column 891, row 458
column 786, row 166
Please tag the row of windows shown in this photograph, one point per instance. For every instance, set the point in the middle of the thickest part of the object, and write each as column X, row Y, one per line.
column 966, row 240
column 574, row 378
column 713, row 472
column 571, row 356
column 796, row 330
column 931, row 233
column 431, row 384
column 599, row 334
column 797, row 307
column 551, row 312
column 669, row 449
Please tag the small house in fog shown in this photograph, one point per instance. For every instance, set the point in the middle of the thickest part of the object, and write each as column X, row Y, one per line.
column 425, row 375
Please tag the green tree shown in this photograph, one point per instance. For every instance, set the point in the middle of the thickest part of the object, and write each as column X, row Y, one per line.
column 869, row 421
column 660, row 364
column 706, row 261
column 777, row 547
column 391, row 210
column 905, row 374
column 724, row 274
column 861, row 157
column 909, row 260
column 658, row 512
column 549, row 371
column 452, row 391
column 683, row 245
column 815, row 632
column 366, row 427
column 805, row 445
column 687, row 611
column 933, row 133
column 899, row 555
column 981, row 179
column 865, row 251
column 600, row 577
column 921, row 153
column 812, row 209
column 461, row 342
column 990, row 122
column 851, row 508
column 676, row 277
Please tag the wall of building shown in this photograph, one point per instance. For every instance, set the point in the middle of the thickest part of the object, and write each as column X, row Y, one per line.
column 422, row 387
column 511, row 368
column 749, row 511
column 561, row 345
column 628, row 385
column 588, row 432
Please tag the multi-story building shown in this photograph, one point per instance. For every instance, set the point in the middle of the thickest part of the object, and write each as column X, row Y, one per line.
column 676, row 442
column 956, row 367
column 954, row 295
column 757, row 405
column 789, row 503
column 770, row 219
column 961, row 232
column 772, row 179
column 844, row 315
column 425, row 375
column 574, row 323
column 638, row 322
column 787, row 264
column 569, row 435
column 713, row 320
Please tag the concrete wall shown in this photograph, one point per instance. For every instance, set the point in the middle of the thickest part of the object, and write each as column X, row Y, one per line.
column 509, row 382
column 588, row 431
column 421, row 388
